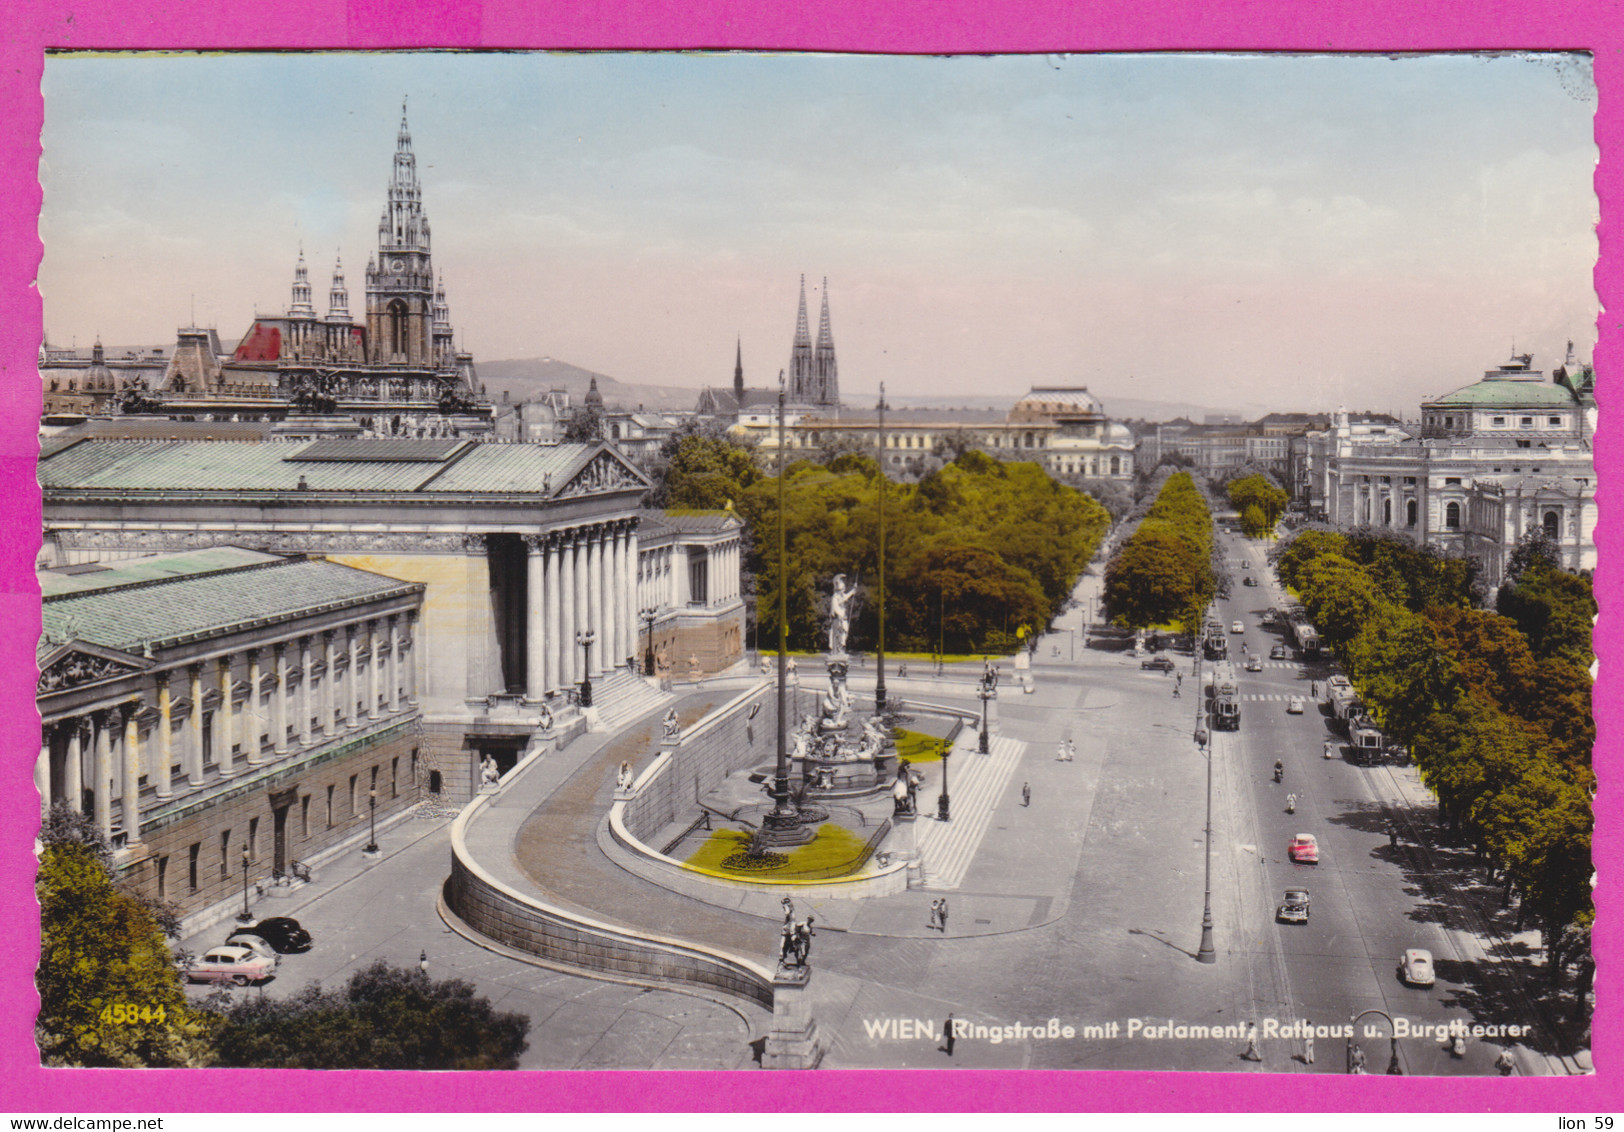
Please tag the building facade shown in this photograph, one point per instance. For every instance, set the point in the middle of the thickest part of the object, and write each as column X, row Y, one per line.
column 224, row 714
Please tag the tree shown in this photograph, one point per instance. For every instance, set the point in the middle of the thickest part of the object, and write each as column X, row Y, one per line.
column 384, row 1018
column 1113, row 495
column 1260, row 501
column 585, row 425
column 1554, row 609
column 102, row 949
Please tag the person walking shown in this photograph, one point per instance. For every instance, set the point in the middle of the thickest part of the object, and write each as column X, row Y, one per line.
column 1308, row 1044
column 1026, row 793
column 1358, row 1060
column 941, row 915
column 1071, row 750
column 1251, row 1053
column 1313, row 689
column 1061, row 757
column 948, row 1035
column 1505, row 1063
column 935, row 914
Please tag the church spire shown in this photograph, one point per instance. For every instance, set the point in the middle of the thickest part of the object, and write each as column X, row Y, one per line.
column 826, row 340
column 338, row 297
column 801, row 386
column 738, row 373
column 403, row 226
column 803, row 336
column 825, row 373
column 302, row 307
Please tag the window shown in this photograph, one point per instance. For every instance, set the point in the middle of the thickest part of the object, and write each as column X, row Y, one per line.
column 225, row 852
column 696, row 578
column 1409, row 479
column 1554, row 422
column 1499, row 422
column 1452, row 516
column 330, row 790
column 191, row 865
column 394, row 777
column 354, row 806
column 1387, row 512
column 208, row 738
column 1528, row 422
column 253, row 838
column 163, row 878
column 304, row 818
column 1451, row 481
column 414, row 766
column 1409, row 513
column 1552, row 524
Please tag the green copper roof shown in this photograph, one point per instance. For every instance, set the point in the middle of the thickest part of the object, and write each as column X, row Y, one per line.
column 1500, row 393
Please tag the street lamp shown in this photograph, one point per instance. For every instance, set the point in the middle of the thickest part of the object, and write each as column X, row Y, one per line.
column 585, row 638
column 372, row 810
column 245, row 916
column 985, row 694
column 649, row 616
column 1206, row 953
column 782, row 825
column 1393, row 1067
column 943, row 813
column 879, row 682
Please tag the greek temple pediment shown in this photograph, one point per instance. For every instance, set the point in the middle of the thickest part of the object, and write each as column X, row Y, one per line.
column 79, row 662
column 604, row 471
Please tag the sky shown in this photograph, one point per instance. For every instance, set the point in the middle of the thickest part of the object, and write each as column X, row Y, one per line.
column 1289, row 232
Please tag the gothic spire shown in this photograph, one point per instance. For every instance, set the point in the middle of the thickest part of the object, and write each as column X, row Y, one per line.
column 826, row 340
column 338, row 298
column 738, row 373
column 803, row 336
column 302, row 307
column 403, row 226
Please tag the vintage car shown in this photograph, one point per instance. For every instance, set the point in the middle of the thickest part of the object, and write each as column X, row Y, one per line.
column 1278, row 652
column 1293, row 907
column 1157, row 664
column 1254, row 663
column 1415, row 967
column 229, row 963
column 1237, row 626
column 1303, row 849
column 281, row 932
column 1294, row 706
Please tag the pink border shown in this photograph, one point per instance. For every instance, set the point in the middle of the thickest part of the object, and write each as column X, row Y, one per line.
column 841, row 25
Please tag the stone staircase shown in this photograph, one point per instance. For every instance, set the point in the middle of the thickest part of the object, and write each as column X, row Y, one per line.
column 619, row 697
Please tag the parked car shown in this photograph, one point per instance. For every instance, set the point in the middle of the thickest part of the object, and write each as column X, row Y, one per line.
column 1294, row 706
column 1303, row 849
column 254, row 943
column 230, row 963
column 281, row 932
column 1278, row 652
column 1293, row 907
column 1237, row 627
column 1158, row 664
column 1248, row 581
column 1415, row 967
column 1254, row 663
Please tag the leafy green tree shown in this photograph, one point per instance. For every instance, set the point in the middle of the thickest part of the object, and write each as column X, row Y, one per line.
column 965, row 593
column 384, row 1018
column 702, row 450
column 1162, row 573
column 1554, row 609
column 585, row 425
column 1260, row 502
column 102, row 949
column 1402, row 674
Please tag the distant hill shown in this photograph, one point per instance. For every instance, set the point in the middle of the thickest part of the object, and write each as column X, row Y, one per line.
column 527, row 379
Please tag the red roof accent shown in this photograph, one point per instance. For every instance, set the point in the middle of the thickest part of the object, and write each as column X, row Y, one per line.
column 261, row 344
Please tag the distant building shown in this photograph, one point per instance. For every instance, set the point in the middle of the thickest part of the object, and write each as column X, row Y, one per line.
column 814, row 377
column 1495, row 459
column 397, row 372
column 209, row 703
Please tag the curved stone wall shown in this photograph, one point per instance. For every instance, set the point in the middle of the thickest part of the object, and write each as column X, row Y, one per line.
column 528, row 924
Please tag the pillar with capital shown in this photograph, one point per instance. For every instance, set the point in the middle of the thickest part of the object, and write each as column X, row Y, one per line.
column 535, row 617
column 42, row 773
column 412, row 650
column 166, row 752
column 73, row 777
column 550, row 629
column 304, row 706
column 372, row 669
column 130, row 788
column 279, row 714
column 394, row 662
column 101, row 722
column 352, row 676
column 195, row 755
column 567, row 605
column 623, row 596
column 329, row 683
column 251, row 721
column 224, row 731
column 594, row 594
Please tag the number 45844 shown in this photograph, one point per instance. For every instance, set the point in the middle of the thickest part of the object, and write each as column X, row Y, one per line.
column 129, row 1014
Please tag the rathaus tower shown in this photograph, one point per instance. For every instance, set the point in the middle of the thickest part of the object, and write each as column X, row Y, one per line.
column 401, row 324
column 814, row 379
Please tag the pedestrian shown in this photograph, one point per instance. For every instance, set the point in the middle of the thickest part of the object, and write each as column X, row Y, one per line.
column 1505, row 1063
column 1176, row 695
column 948, row 1035
column 1358, row 1060
column 1251, row 1053
column 1313, row 689
column 941, row 915
column 935, row 914
column 1026, row 793
column 1308, row 1045
column 1061, row 757
column 1392, row 836
column 1071, row 749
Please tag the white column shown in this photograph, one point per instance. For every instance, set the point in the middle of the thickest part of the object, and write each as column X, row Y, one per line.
column 130, row 789
column 372, row 670
column 594, row 602
column 412, row 650
column 394, row 662
column 223, row 723
column 633, row 568
column 577, row 654
column 250, row 712
column 279, row 702
column 102, row 782
column 304, row 706
column 535, row 617
column 194, row 768
column 166, row 750
column 42, row 774
column 352, row 679
column 73, row 786
column 567, row 605
column 329, row 683
column 551, row 629
column 625, row 607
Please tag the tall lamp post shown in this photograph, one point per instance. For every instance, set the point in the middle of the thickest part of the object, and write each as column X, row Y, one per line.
column 783, row 822
column 245, row 916
column 1356, row 1065
column 943, row 812
column 879, row 683
column 1206, row 953
column 372, row 809
column 585, row 638
column 649, row 616
column 985, row 694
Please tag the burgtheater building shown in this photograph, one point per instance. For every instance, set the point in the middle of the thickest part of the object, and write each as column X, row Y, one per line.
column 521, row 550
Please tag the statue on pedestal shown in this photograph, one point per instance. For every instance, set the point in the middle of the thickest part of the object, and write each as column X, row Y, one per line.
column 623, row 780
column 488, row 774
column 840, row 615
column 673, row 729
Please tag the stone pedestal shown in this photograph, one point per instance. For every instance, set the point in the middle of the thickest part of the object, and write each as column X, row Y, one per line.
column 992, row 716
column 902, row 844
column 792, row 1043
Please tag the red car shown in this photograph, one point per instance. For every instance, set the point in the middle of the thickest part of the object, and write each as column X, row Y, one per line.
column 1303, row 849
column 229, row 963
